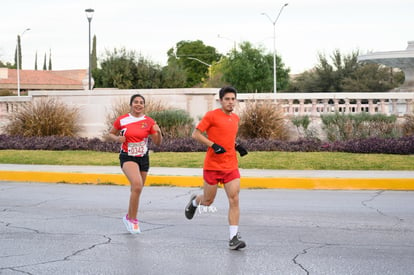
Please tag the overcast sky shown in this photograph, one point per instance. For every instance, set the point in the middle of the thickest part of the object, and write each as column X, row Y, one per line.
column 304, row 28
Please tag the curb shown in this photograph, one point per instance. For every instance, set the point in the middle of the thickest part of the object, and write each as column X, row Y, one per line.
column 196, row 181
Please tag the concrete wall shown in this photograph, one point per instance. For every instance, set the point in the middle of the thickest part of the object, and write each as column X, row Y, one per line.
column 94, row 106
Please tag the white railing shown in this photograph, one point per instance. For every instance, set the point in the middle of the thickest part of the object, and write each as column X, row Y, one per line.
column 315, row 104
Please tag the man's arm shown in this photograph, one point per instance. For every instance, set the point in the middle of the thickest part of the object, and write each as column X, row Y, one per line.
column 197, row 135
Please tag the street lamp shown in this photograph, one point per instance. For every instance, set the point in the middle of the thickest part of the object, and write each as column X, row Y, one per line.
column 234, row 41
column 89, row 14
column 18, row 61
column 202, row 62
column 274, row 43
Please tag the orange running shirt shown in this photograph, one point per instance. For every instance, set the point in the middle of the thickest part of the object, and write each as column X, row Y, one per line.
column 222, row 130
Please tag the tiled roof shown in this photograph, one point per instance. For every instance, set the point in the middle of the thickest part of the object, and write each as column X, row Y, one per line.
column 32, row 79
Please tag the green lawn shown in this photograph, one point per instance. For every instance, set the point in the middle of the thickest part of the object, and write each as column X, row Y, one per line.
column 256, row 160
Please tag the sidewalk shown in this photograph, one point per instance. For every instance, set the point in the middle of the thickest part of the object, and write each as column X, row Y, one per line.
column 192, row 177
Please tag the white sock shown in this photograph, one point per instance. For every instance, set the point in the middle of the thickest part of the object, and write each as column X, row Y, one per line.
column 233, row 229
column 195, row 204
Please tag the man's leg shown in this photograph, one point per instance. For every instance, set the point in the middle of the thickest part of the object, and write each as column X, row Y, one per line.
column 208, row 196
column 232, row 190
column 206, row 199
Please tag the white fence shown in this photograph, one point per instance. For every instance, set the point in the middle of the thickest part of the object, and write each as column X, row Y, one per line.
column 94, row 106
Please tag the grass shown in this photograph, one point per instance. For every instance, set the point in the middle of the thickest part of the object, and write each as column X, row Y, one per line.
column 254, row 160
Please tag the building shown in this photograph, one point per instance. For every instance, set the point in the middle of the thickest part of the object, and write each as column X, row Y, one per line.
column 32, row 80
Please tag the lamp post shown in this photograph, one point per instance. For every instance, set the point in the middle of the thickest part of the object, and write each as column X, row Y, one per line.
column 274, row 43
column 18, row 61
column 89, row 14
column 202, row 62
column 234, row 41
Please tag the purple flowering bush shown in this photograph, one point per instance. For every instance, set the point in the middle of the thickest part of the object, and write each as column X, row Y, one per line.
column 402, row 145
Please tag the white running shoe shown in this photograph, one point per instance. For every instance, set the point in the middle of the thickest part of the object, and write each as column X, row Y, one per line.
column 131, row 225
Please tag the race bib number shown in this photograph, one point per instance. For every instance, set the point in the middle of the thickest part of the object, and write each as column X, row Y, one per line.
column 137, row 149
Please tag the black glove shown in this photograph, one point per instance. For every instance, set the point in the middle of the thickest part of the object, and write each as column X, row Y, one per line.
column 218, row 149
column 242, row 151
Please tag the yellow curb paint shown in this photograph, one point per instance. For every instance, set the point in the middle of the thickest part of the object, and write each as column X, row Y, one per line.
column 330, row 183
column 196, row 181
column 63, row 177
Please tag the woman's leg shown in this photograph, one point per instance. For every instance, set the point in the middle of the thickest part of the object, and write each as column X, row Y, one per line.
column 136, row 179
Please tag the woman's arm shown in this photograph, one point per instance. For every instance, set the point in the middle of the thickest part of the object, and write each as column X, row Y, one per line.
column 114, row 135
column 156, row 137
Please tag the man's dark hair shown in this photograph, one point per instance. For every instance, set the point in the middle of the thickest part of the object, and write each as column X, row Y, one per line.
column 134, row 96
column 226, row 90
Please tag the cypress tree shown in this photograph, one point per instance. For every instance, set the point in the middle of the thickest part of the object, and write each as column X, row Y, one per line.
column 44, row 63
column 94, row 61
column 50, row 59
column 18, row 49
column 36, row 62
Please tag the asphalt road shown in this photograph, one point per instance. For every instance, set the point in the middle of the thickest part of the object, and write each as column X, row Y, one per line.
column 77, row 229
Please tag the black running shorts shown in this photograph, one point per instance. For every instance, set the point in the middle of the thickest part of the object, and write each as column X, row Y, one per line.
column 143, row 162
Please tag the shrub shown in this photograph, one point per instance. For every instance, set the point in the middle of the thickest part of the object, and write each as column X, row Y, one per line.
column 302, row 126
column 44, row 117
column 173, row 123
column 6, row 93
column 403, row 145
column 408, row 125
column 181, row 144
column 263, row 120
column 344, row 127
column 56, row 143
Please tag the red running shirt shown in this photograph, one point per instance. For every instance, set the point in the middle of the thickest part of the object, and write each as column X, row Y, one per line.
column 222, row 130
column 136, row 131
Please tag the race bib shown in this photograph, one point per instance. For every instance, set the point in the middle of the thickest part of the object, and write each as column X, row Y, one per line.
column 137, row 149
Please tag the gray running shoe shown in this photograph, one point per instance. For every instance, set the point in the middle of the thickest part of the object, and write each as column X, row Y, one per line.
column 190, row 208
column 236, row 243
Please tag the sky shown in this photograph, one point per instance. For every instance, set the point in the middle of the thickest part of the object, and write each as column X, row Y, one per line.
column 304, row 28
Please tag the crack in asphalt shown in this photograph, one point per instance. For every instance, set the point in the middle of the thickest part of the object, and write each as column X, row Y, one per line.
column 303, row 252
column 108, row 241
column 66, row 258
column 158, row 226
column 376, row 195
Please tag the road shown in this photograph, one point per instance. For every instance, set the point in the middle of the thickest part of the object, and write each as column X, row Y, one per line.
column 48, row 228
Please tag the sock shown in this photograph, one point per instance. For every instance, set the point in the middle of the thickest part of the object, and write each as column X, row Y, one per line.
column 233, row 229
column 195, row 204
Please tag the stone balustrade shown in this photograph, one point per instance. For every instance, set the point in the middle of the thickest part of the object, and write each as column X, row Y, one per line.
column 315, row 104
column 94, row 106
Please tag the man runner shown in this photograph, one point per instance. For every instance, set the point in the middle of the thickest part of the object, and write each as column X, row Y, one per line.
column 220, row 164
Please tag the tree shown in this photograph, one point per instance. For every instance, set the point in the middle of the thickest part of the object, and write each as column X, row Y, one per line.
column 94, row 59
column 148, row 74
column 173, row 76
column 18, row 50
column 44, row 63
column 194, row 58
column 251, row 70
column 373, row 78
column 6, row 65
column 215, row 79
column 125, row 69
column 50, row 60
column 35, row 65
column 345, row 74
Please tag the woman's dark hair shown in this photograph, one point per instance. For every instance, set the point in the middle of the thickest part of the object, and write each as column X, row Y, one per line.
column 134, row 96
column 226, row 90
